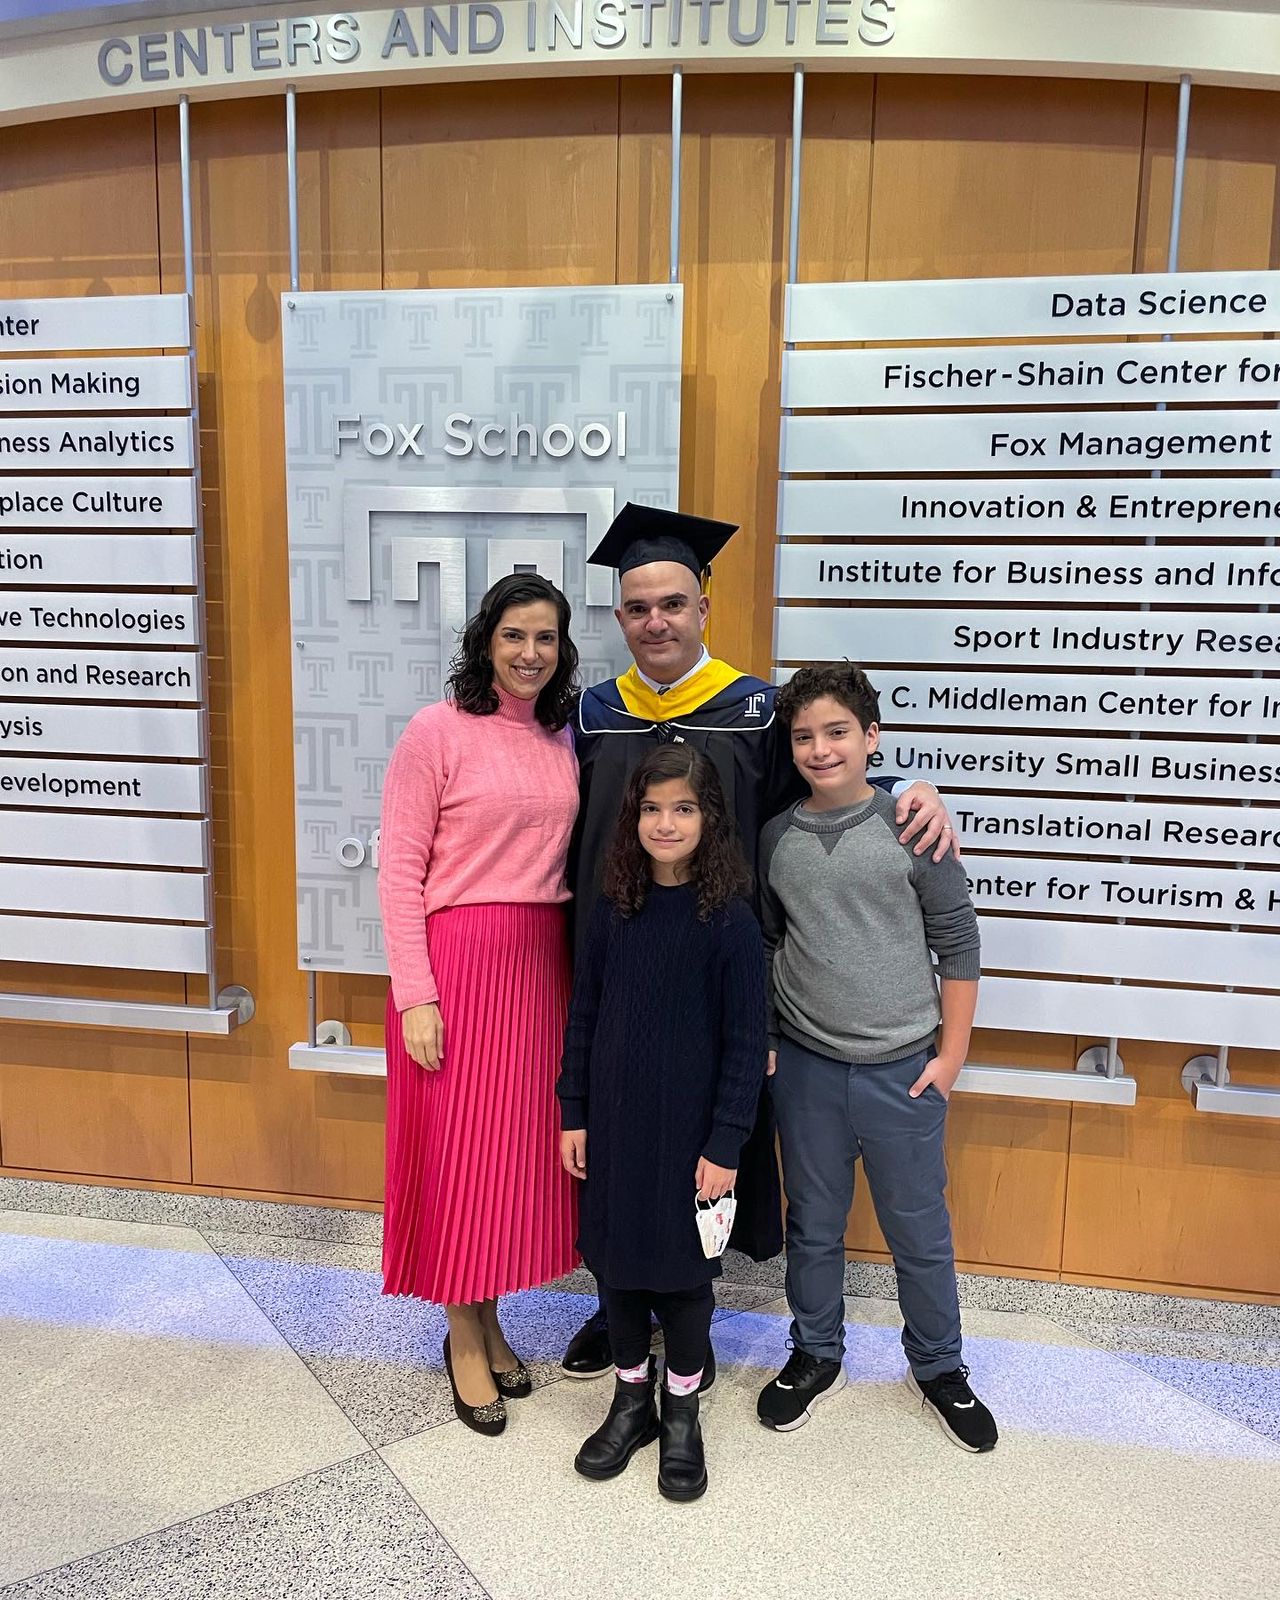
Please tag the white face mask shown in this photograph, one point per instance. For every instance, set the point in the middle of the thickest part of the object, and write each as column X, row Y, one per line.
column 715, row 1223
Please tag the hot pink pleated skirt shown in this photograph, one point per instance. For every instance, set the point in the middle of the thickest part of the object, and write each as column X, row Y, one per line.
column 477, row 1202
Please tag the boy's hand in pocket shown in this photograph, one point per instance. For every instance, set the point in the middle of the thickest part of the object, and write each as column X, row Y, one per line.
column 939, row 1072
column 713, row 1181
column 573, row 1152
column 773, row 1064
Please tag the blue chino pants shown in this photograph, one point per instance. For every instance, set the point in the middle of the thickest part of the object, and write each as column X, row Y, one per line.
column 829, row 1114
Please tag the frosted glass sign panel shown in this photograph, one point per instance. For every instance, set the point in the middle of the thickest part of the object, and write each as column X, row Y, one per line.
column 103, row 746
column 100, row 730
column 1039, row 441
column 105, row 891
column 1119, row 827
column 103, row 785
column 154, row 841
column 1050, row 508
column 1057, row 562
column 83, row 941
column 84, row 674
column 1187, row 574
column 141, row 560
column 435, row 441
column 1069, row 762
column 116, row 383
column 99, row 322
column 1178, row 894
column 1040, row 375
column 86, row 617
column 1109, row 702
column 1218, row 641
column 48, row 444
column 1136, row 1011
column 1014, row 308
column 117, row 501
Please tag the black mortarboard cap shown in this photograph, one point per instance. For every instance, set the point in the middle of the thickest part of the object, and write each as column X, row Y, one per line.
column 641, row 534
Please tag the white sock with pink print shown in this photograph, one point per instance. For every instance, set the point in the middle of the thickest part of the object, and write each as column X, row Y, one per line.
column 679, row 1385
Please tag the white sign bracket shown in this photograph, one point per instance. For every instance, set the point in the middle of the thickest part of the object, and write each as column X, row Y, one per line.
column 231, row 1008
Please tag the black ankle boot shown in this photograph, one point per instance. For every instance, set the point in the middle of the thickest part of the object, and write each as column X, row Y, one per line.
column 631, row 1424
column 682, row 1468
column 588, row 1354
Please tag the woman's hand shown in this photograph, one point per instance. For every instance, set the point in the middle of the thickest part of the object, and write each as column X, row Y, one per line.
column 424, row 1035
column 713, row 1181
column 573, row 1152
column 930, row 821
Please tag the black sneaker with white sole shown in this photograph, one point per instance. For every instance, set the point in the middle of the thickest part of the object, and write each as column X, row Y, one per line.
column 961, row 1415
column 787, row 1403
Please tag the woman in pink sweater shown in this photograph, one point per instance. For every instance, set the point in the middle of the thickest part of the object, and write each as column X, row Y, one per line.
column 478, row 805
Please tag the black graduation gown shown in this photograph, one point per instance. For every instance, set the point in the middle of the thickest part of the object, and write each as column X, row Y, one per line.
column 738, row 731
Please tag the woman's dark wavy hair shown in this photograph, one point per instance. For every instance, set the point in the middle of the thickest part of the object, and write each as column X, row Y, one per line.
column 470, row 684
column 718, row 867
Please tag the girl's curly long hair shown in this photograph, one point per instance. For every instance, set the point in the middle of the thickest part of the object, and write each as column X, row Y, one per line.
column 718, row 866
column 470, row 684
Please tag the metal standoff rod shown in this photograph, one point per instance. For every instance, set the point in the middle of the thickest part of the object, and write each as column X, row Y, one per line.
column 677, row 129
column 797, row 138
column 291, row 162
column 1113, row 1065
column 189, row 286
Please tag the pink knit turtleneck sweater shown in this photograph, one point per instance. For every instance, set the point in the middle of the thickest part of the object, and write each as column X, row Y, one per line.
column 475, row 810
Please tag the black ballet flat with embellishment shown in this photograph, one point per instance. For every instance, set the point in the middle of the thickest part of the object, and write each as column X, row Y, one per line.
column 489, row 1419
column 516, row 1384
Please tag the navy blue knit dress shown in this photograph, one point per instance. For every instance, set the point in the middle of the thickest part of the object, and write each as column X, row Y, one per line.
column 664, row 1060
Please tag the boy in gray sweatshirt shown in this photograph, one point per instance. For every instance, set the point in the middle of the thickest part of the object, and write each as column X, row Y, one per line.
column 866, row 1052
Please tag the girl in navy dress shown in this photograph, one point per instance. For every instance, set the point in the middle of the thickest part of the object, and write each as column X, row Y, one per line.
column 664, row 1060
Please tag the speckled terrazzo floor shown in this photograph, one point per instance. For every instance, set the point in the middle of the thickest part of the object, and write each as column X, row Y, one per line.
column 211, row 1398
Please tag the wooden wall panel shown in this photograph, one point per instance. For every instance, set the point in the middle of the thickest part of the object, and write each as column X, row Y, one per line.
column 732, row 255
column 255, row 1124
column 1231, row 193
column 340, row 247
column 835, row 178
column 78, row 207
column 733, row 251
column 977, row 179
column 78, row 216
column 644, row 183
column 1165, row 1193
column 340, row 190
column 992, row 177
column 568, row 182
column 522, row 183
column 94, row 1100
column 503, row 184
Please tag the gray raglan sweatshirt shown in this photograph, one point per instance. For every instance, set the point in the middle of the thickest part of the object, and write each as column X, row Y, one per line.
column 849, row 917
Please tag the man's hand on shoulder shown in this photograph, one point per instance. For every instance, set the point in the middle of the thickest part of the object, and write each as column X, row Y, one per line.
column 929, row 822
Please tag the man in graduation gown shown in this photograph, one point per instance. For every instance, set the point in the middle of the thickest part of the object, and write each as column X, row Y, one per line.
column 676, row 692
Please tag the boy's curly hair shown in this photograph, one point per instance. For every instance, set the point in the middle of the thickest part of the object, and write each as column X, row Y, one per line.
column 718, row 866
column 841, row 680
